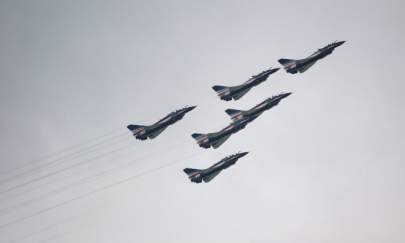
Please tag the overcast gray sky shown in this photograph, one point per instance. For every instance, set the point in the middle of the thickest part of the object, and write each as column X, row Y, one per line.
column 326, row 165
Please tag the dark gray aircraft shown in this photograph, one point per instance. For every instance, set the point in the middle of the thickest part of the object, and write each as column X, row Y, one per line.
column 236, row 92
column 258, row 109
column 216, row 139
column 302, row 65
column 152, row 131
column 197, row 176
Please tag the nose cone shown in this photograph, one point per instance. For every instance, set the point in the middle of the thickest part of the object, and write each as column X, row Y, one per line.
column 280, row 96
column 274, row 70
column 287, row 94
column 190, row 108
column 339, row 43
column 242, row 154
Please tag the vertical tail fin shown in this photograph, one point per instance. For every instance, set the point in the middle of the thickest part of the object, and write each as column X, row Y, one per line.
column 197, row 136
column 219, row 88
column 234, row 114
column 284, row 61
column 190, row 171
column 223, row 92
column 132, row 128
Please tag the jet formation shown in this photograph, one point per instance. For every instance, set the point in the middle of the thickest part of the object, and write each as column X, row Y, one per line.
column 240, row 118
column 236, row 92
column 206, row 175
column 302, row 65
column 144, row 132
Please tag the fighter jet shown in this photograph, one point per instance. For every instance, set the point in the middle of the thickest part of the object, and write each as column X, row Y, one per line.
column 143, row 132
column 218, row 138
column 258, row 109
column 302, row 65
column 236, row 92
column 208, row 174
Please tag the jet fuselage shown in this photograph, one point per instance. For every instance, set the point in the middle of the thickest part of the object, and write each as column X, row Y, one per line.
column 258, row 109
column 143, row 132
column 236, row 92
column 217, row 138
column 198, row 176
column 301, row 65
column 266, row 105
